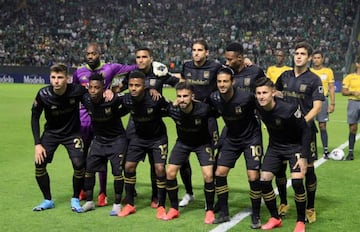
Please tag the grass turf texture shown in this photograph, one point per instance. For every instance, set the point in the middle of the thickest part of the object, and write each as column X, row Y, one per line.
column 336, row 203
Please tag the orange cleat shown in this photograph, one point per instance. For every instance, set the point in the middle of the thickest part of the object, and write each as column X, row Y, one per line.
column 173, row 213
column 127, row 210
column 161, row 213
column 154, row 203
column 82, row 195
column 272, row 223
column 299, row 227
column 209, row 217
column 102, row 200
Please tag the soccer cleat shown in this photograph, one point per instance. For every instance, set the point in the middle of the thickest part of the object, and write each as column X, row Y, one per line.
column 349, row 157
column 154, row 203
column 310, row 215
column 46, row 204
column 299, row 227
column 115, row 209
column 161, row 213
column 127, row 210
column 82, row 195
column 326, row 155
column 75, row 205
column 221, row 219
column 186, row 200
column 255, row 222
column 102, row 200
column 89, row 205
column 272, row 223
column 173, row 213
column 209, row 217
column 283, row 209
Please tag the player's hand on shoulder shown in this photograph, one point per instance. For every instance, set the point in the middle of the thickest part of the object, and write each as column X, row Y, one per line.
column 159, row 69
column 155, row 95
column 108, row 95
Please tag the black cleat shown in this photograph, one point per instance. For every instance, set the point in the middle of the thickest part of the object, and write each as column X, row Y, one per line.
column 350, row 157
column 221, row 219
column 255, row 223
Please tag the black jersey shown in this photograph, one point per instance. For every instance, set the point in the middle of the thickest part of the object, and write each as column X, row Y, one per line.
column 153, row 81
column 61, row 111
column 192, row 128
column 287, row 128
column 302, row 90
column 246, row 78
column 147, row 115
column 106, row 116
column 238, row 113
column 203, row 78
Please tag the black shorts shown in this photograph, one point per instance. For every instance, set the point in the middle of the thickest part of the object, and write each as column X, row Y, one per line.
column 181, row 152
column 138, row 148
column 231, row 149
column 101, row 150
column 73, row 144
column 273, row 159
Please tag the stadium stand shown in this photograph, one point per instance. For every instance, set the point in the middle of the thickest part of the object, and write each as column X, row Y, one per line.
column 39, row 33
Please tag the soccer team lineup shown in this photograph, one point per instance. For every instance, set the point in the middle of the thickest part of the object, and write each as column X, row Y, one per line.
column 83, row 112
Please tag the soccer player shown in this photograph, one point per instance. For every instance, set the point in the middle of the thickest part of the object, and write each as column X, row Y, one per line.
column 289, row 135
column 351, row 88
column 303, row 87
column 327, row 77
column 156, row 76
column 201, row 73
column 244, row 81
column 273, row 72
column 245, row 75
column 149, row 137
column 81, row 76
column 243, row 135
column 109, row 142
column 60, row 102
column 192, row 125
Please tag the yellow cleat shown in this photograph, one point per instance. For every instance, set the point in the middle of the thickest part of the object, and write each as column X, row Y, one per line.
column 283, row 209
column 310, row 215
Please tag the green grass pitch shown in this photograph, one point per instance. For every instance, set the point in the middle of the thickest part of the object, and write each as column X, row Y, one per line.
column 337, row 199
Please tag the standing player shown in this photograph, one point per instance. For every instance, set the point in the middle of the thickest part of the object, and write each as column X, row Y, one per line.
column 201, row 73
column 109, row 142
column 327, row 77
column 288, row 138
column 81, row 76
column 149, row 138
column 244, row 80
column 156, row 76
column 273, row 72
column 60, row 102
column 192, row 125
column 351, row 88
column 243, row 135
column 301, row 86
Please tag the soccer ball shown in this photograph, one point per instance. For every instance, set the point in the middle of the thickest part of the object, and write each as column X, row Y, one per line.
column 337, row 154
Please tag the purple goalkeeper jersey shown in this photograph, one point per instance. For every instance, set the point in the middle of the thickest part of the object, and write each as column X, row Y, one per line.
column 108, row 71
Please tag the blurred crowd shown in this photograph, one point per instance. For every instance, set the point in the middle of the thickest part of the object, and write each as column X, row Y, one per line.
column 39, row 32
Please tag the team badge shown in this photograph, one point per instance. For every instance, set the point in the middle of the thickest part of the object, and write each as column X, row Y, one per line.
column 188, row 74
column 152, row 82
column 72, row 101
column 238, row 110
column 206, row 74
column 277, row 121
column 247, row 81
column 150, row 110
column 53, row 107
column 303, row 88
column 197, row 121
column 285, row 86
column 108, row 110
